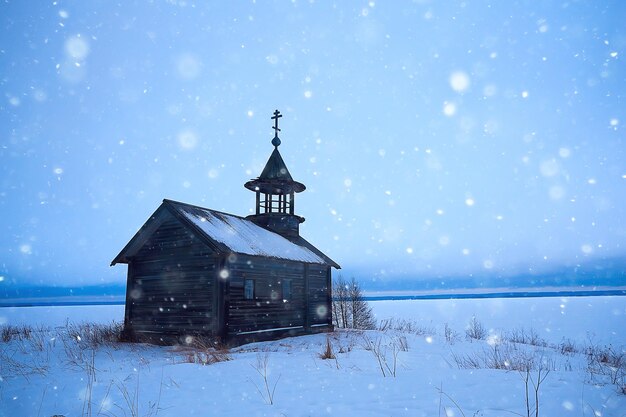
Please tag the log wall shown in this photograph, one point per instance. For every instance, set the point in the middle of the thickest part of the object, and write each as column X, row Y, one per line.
column 171, row 284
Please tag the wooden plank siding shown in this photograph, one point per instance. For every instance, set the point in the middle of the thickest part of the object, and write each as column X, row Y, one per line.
column 171, row 285
column 269, row 309
column 319, row 295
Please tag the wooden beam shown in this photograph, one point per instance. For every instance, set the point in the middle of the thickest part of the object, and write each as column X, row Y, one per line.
column 220, row 300
column 329, row 295
column 307, row 315
column 128, row 333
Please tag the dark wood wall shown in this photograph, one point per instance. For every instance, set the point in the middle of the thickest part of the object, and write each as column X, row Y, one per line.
column 319, row 294
column 171, row 285
column 268, row 309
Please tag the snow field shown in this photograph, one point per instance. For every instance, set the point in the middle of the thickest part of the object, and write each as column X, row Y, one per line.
column 55, row 372
column 598, row 320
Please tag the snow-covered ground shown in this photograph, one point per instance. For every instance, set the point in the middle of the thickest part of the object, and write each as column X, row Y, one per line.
column 597, row 319
column 58, row 372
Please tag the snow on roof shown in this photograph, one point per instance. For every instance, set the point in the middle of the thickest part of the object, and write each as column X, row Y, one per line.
column 243, row 236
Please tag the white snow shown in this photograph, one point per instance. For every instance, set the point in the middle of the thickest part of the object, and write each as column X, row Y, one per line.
column 76, row 47
column 243, row 236
column 459, row 81
column 58, row 374
column 187, row 139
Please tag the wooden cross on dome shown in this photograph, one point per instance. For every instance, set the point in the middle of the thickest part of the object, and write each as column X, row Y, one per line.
column 275, row 117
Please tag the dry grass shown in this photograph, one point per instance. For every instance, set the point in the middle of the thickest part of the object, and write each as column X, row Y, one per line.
column 405, row 326
column 328, row 353
column 386, row 354
column 25, row 350
column 266, row 389
column 202, row 351
column 502, row 355
column 607, row 363
column 206, row 357
column 94, row 335
column 10, row 332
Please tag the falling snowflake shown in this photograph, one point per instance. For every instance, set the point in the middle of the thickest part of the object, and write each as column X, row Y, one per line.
column 449, row 109
column 459, row 81
column 77, row 48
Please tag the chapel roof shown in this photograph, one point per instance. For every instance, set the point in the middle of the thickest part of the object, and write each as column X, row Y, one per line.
column 225, row 233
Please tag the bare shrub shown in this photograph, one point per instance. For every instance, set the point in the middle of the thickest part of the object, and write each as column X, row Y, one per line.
column 350, row 310
column 262, row 368
column 362, row 315
column 450, row 335
column 607, row 362
column 348, row 341
column 403, row 344
column 536, row 381
column 468, row 361
column 530, row 337
column 386, row 354
column 341, row 312
column 567, row 347
column 475, row 330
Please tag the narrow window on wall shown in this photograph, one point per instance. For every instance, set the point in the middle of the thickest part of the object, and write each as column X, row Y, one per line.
column 248, row 289
column 286, row 290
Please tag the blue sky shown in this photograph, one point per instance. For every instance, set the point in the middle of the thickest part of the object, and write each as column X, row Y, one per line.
column 434, row 138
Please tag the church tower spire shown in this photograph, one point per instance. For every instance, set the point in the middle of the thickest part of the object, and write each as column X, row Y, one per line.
column 275, row 191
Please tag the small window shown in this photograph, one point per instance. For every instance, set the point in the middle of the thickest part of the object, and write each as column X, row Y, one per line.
column 286, row 290
column 248, row 289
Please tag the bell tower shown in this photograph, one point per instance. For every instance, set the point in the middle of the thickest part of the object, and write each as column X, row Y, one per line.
column 275, row 190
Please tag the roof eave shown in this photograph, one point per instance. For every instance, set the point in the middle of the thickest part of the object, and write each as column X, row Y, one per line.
column 151, row 223
column 305, row 243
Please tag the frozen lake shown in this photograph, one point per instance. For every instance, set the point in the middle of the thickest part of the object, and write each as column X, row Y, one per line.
column 584, row 319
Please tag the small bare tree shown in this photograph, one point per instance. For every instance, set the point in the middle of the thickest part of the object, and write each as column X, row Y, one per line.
column 350, row 310
column 360, row 310
column 475, row 330
column 340, row 302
